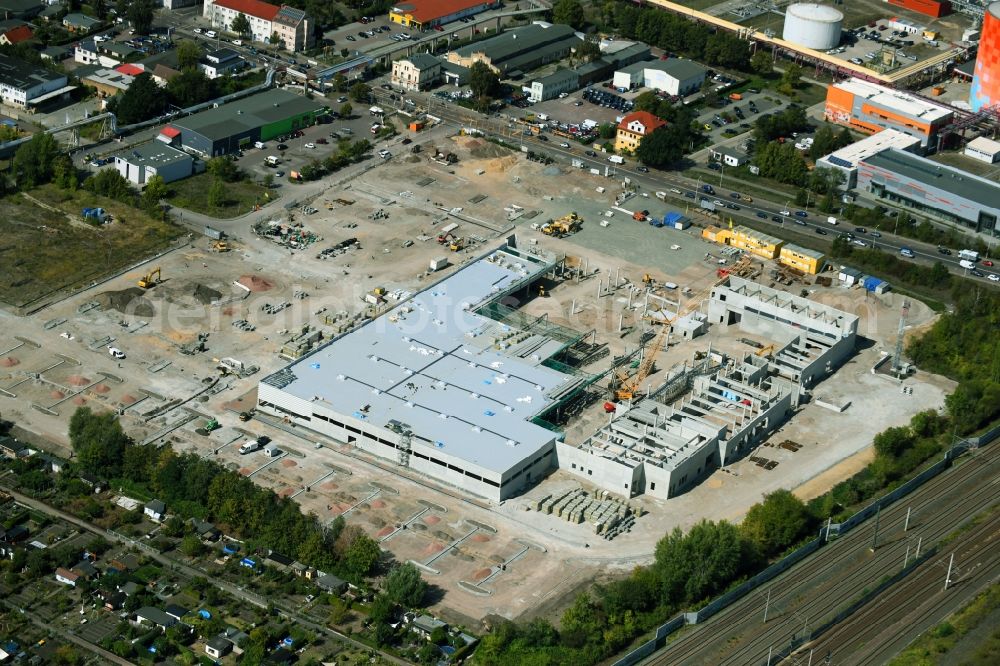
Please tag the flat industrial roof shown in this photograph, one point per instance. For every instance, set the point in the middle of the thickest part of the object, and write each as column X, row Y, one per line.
column 460, row 381
column 849, row 156
column 269, row 106
column 984, row 192
column 896, row 100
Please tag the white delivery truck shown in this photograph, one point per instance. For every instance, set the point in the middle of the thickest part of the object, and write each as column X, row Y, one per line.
column 616, row 159
column 970, row 255
column 831, row 220
column 250, row 446
column 966, row 264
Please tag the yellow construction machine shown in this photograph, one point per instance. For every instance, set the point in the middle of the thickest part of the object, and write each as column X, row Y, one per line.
column 221, row 246
column 151, row 279
column 457, row 244
column 564, row 226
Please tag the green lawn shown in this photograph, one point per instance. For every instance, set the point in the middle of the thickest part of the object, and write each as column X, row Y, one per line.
column 46, row 246
column 241, row 196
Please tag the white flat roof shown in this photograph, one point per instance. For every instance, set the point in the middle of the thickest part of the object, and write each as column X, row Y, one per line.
column 463, row 382
column 849, row 156
column 895, row 100
column 984, row 144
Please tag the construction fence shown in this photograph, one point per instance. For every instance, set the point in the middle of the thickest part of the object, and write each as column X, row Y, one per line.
column 721, row 602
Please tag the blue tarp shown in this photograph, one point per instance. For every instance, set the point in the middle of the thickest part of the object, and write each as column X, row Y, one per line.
column 871, row 283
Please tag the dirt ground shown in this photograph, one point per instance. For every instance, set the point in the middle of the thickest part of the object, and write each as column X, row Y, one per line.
column 524, row 563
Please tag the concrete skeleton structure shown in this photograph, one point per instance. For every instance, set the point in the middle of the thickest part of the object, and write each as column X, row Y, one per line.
column 449, row 383
column 716, row 410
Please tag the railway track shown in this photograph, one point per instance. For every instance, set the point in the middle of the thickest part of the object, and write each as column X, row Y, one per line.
column 811, row 593
column 886, row 624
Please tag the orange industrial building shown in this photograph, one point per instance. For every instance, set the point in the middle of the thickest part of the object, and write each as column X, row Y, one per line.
column 871, row 108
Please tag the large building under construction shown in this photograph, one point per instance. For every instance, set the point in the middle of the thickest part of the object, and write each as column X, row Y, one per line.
column 712, row 412
column 451, row 383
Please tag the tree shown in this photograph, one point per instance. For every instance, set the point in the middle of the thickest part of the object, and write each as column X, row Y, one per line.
column 405, row 586
column 791, row 79
column 140, row 14
column 569, row 12
column 360, row 92
column 189, row 53
column 761, row 63
column 268, row 181
column 893, row 442
column 274, row 40
column 216, row 193
column 143, row 100
column 192, row 546
column 34, row 161
column 110, row 183
column 776, row 523
column 224, row 169
column 190, row 87
column 346, row 110
column 588, row 51
column 339, row 82
column 98, row 440
column 240, row 25
column 64, row 174
column 483, row 81
column 701, row 563
column 362, row 555
column 665, row 146
column 156, row 191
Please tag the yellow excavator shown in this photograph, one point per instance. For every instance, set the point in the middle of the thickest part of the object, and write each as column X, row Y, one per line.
column 151, row 279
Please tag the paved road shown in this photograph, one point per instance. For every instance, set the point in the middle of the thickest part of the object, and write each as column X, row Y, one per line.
column 191, row 572
column 804, row 601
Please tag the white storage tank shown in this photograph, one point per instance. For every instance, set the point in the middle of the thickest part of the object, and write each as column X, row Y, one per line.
column 813, row 26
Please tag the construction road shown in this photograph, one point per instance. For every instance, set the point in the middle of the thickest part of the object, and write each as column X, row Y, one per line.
column 801, row 605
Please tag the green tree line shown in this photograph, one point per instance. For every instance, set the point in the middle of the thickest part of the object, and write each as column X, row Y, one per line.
column 195, row 487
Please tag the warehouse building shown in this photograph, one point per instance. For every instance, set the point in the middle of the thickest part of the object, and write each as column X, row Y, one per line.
column 846, row 159
column 426, row 14
column 983, row 149
column 553, row 85
column 140, row 163
column 674, row 76
column 711, row 412
column 449, row 383
column 237, row 125
column 24, row 85
column 931, row 189
column 871, row 108
column 519, row 50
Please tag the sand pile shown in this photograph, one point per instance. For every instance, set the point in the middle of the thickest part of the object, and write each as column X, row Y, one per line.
column 378, row 504
column 288, row 463
column 385, row 531
column 128, row 399
column 57, row 395
column 130, row 301
column 8, row 362
column 255, row 283
column 480, row 538
column 77, row 380
column 78, row 401
column 100, row 388
column 432, row 520
column 481, row 574
column 485, row 150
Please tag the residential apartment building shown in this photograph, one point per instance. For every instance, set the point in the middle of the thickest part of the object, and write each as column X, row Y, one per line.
column 291, row 25
column 633, row 128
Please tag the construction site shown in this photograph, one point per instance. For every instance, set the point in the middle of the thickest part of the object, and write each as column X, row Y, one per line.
column 473, row 361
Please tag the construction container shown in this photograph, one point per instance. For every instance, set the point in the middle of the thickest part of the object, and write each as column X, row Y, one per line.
column 416, row 125
column 214, row 233
column 439, row 263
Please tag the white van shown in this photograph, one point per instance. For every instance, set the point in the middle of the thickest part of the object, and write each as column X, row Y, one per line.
column 966, row 264
column 260, row 145
column 115, row 352
column 211, row 33
column 272, row 161
column 249, row 446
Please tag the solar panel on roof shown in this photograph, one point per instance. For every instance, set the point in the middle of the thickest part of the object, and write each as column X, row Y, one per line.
column 839, row 161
